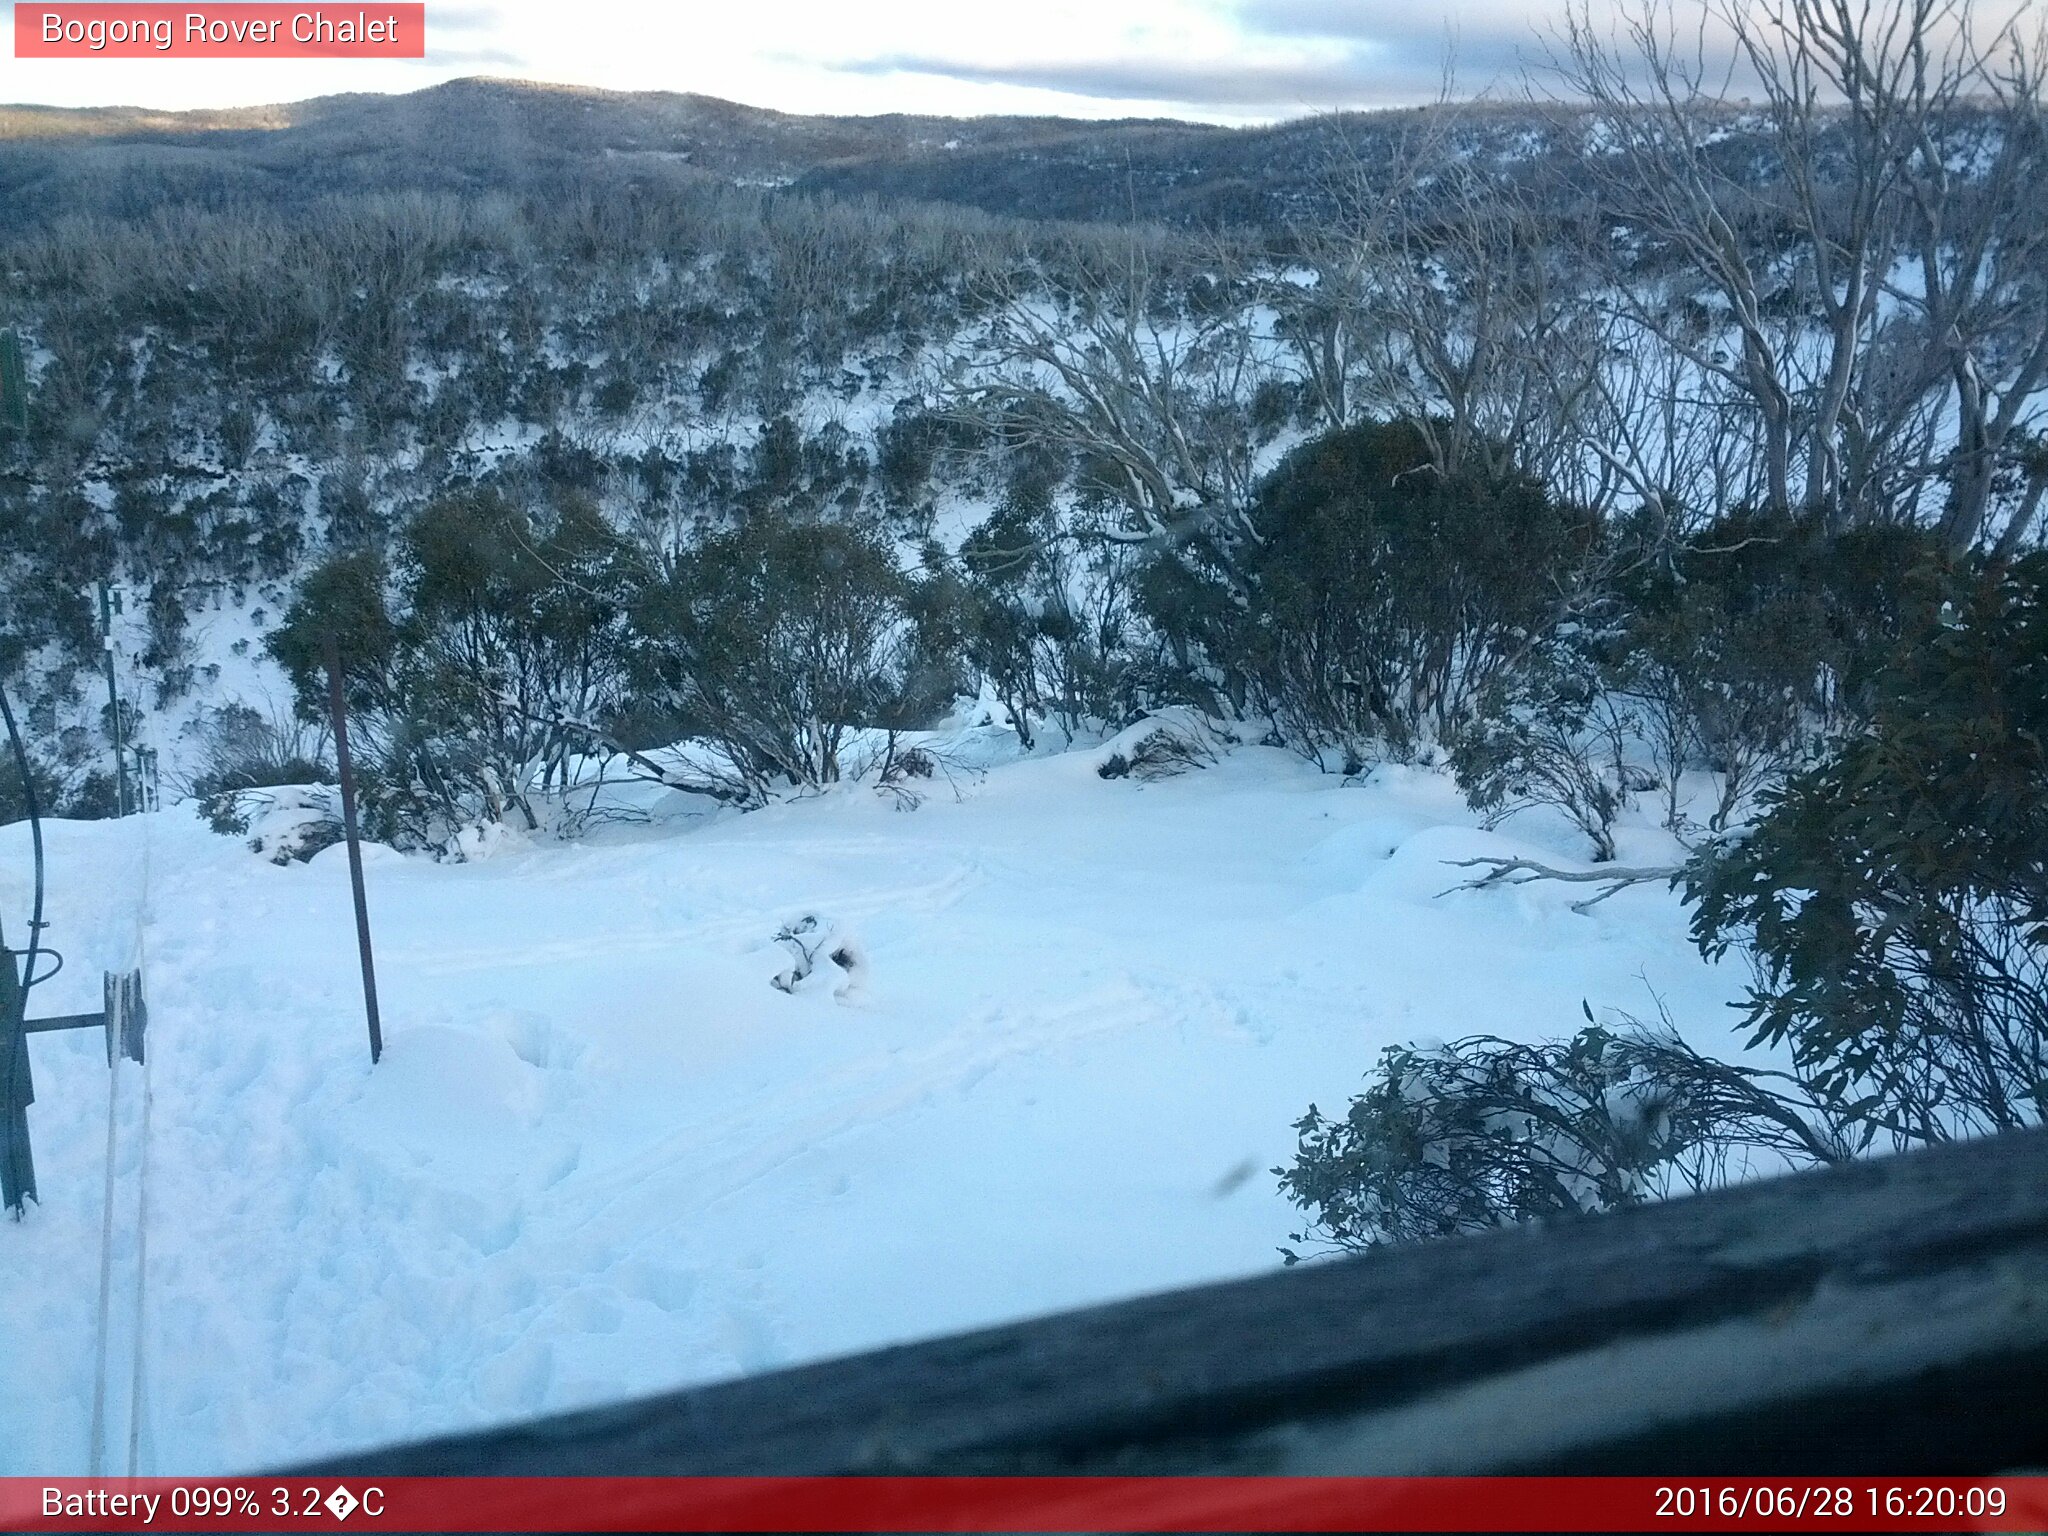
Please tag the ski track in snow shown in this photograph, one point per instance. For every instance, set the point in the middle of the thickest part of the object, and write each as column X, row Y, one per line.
column 603, row 1157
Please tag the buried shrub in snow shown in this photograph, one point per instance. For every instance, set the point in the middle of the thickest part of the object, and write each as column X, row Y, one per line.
column 808, row 940
column 285, row 825
column 1484, row 1132
column 1162, row 747
column 1548, row 734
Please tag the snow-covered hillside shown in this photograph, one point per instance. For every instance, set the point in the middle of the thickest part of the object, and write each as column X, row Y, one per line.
column 603, row 1155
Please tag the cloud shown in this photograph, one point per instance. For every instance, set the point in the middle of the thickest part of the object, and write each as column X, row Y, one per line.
column 477, row 31
column 1243, row 58
column 1486, row 42
column 468, row 58
column 1308, row 18
column 465, row 18
column 1348, row 79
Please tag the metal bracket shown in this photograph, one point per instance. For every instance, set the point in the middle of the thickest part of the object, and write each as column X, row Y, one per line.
column 125, row 1019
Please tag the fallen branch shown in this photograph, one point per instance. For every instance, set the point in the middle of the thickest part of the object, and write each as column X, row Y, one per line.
column 1525, row 871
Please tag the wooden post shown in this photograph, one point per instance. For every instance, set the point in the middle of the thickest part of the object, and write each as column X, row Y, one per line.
column 338, row 708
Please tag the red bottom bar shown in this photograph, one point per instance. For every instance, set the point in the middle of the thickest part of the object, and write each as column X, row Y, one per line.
column 1020, row 1504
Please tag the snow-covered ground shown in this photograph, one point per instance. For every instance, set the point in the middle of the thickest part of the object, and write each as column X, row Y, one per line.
column 604, row 1156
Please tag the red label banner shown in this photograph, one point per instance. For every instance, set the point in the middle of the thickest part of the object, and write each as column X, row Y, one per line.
column 220, row 31
column 1017, row 1504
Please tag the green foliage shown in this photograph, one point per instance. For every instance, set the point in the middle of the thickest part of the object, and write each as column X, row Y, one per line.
column 341, row 609
column 1752, row 644
column 237, row 435
column 798, row 474
column 1048, row 611
column 13, row 384
column 14, row 794
column 242, row 749
column 932, row 660
column 1738, row 653
column 907, row 453
column 382, row 337
column 1895, row 897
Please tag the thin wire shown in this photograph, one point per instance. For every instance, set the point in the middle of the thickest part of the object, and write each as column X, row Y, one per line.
column 116, row 1032
column 97, row 1460
column 139, row 1376
column 135, row 1381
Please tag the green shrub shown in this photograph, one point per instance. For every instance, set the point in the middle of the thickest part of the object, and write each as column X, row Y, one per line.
column 1384, row 597
column 1484, row 1133
column 476, row 672
column 774, row 639
column 1894, row 899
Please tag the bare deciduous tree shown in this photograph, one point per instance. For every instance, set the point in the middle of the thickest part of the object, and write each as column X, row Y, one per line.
column 1445, row 292
column 1150, row 388
column 1848, row 270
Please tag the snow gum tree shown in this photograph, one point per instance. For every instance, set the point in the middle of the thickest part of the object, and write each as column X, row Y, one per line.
column 1384, row 594
column 1151, row 376
column 774, row 639
column 1894, row 899
column 477, row 668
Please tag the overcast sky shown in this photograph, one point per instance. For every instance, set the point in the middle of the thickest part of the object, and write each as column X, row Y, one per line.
column 1223, row 60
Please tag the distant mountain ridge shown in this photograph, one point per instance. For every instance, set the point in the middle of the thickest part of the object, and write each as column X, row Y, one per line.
column 490, row 134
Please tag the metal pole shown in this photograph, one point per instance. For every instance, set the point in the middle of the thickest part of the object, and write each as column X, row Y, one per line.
column 17, row 1088
column 17, row 1092
column 339, row 710
column 114, row 703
